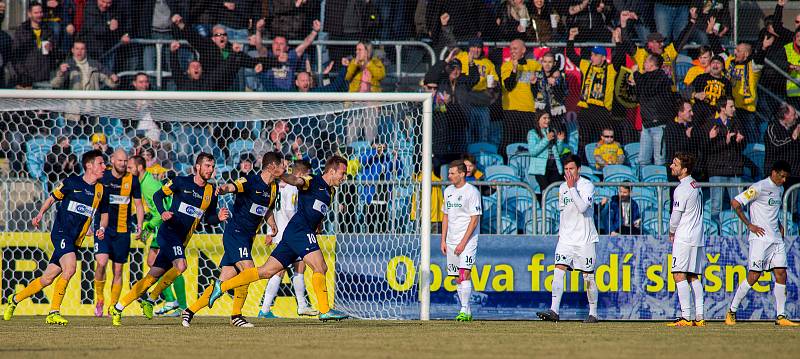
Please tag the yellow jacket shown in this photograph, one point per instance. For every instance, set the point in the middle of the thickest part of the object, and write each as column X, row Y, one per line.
column 521, row 97
column 437, row 199
column 375, row 67
column 484, row 65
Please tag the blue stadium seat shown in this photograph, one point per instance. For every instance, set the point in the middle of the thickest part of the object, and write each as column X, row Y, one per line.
column 237, row 148
column 632, row 154
column 487, row 159
column 653, row 173
column 123, row 142
column 681, row 68
column 589, row 149
column 587, row 172
column 36, row 150
column 650, row 226
column 360, row 146
column 619, row 173
column 480, row 147
column 80, row 146
column 515, row 148
column 520, row 163
column 501, row 173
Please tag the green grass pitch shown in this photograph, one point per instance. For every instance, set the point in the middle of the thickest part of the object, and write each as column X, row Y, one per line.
column 29, row 337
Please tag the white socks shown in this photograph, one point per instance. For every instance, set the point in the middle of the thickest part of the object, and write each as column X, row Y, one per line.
column 272, row 290
column 464, row 293
column 558, row 289
column 741, row 292
column 780, row 298
column 685, row 298
column 591, row 292
column 697, row 288
column 299, row 285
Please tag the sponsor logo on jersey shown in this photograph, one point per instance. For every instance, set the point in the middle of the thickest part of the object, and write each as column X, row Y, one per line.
column 258, row 210
column 190, row 210
column 117, row 199
column 80, row 208
column 453, row 205
column 774, row 202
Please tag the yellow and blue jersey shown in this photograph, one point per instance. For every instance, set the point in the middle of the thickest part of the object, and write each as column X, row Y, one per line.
column 78, row 202
column 121, row 192
column 190, row 204
column 313, row 203
column 254, row 198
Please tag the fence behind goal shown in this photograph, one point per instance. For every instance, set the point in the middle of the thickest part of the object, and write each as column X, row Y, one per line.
column 382, row 135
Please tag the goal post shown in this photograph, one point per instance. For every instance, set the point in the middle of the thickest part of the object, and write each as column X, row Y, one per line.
column 218, row 121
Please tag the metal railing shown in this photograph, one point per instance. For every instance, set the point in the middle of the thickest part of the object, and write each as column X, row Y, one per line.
column 790, row 206
column 499, row 206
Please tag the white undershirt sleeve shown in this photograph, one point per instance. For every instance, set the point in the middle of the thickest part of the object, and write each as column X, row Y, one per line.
column 578, row 200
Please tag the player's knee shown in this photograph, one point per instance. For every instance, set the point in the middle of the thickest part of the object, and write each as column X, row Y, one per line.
column 180, row 266
column 588, row 276
column 780, row 276
column 67, row 272
column 463, row 275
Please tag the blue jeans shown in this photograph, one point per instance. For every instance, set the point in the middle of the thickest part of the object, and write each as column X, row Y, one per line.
column 651, row 144
column 716, row 195
column 479, row 122
column 670, row 20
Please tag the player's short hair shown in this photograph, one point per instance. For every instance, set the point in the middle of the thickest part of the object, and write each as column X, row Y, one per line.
column 458, row 165
column 202, row 157
column 89, row 157
column 782, row 165
column 138, row 161
column 571, row 158
column 271, row 158
column 334, row 161
column 302, row 165
column 687, row 161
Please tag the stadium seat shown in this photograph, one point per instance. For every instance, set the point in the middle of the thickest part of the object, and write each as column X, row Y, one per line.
column 681, row 68
column 650, row 226
column 36, row 150
column 516, row 148
column 80, row 146
column 589, row 149
column 501, row 173
column 653, row 173
column 481, row 147
column 710, row 227
column 619, row 173
column 120, row 141
column 486, row 159
column 587, row 172
column 360, row 146
column 645, row 202
column 237, row 148
column 632, row 154
column 520, row 163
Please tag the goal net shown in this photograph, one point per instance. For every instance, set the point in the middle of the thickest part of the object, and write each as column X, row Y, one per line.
column 369, row 240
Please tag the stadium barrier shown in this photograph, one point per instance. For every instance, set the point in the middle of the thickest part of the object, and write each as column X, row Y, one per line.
column 791, row 209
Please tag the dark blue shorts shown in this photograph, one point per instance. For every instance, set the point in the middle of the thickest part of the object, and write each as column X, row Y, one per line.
column 171, row 249
column 238, row 244
column 116, row 245
column 62, row 245
column 296, row 243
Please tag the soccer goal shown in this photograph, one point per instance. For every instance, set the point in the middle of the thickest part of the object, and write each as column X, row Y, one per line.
column 380, row 257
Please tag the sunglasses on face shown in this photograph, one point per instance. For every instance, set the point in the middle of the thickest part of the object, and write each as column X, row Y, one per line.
column 607, row 136
column 221, row 35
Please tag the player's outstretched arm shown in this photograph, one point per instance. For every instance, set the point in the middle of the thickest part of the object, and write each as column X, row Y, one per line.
column 226, row 188
column 293, row 180
column 45, row 206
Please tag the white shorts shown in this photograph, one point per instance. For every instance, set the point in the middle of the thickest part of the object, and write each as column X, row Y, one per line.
column 580, row 258
column 464, row 261
column 687, row 258
column 766, row 256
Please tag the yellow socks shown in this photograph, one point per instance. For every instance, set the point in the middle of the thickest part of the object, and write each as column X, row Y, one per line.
column 202, row 302
column 137, row 290
column 99, row 287
column 246, row 277
column 239, row 296
column 321, row 291
column 166, row 281
column 35, row 286
column 116, row 290
column 58, row 294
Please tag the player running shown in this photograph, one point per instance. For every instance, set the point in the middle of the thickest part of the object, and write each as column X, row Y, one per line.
column 577, row 236
column 299, row 239
column 255, row 201
column 686, row 235
column 767, row 250
column 460, row 230
column 285, row 208
column 80, row 197
column 193, row 199
column 121, row 187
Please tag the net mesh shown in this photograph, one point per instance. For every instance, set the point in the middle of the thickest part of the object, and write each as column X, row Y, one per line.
column 42, row 140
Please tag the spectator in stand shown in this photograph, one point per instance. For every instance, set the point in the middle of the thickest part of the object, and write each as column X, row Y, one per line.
column 145, row 124
column 743, row 71
column 82, row 73
column 517, row 75
column 726, row 141
column 717, row 21
column 653, row 91
column 545, row 147
column 346, row 20
column 597, row 88
column 451, row 21
column 654, row 46
column 481, row 96
column 236, row 16
column 679, row 135
column 305, row 80
column 60, row 163
column 592, row 18
column 640, row 15
column 289, row 16
column 80, row 10
column 708, row 88
column 790, row 61
column 608, row 151
column 378, row 165
column 285, row 63
column 192, row 79
column 623, row 216
column 245, row 167
column 544, row 21
column 775, row 51
column 102, row 29
column 6, row 43
column 34, row 51
column 151, row 158
column 700, row 65
column 514, row 21
column 58, row 17
column 221, row 60
column 365, row 71
column 153, row 20
column 100, row 143
column 672, row 16
column 473, row 173
column 448, row 145
column 275, row 140
column 550, row 91
column 782, row 142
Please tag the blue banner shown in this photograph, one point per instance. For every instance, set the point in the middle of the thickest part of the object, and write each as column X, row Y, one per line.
column 513, row 275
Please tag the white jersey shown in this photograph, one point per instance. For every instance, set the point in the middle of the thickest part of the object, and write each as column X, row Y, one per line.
column 688, row 199
column 285, row 208
column 460, row 204
column 764, row 198
column 576, row 228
